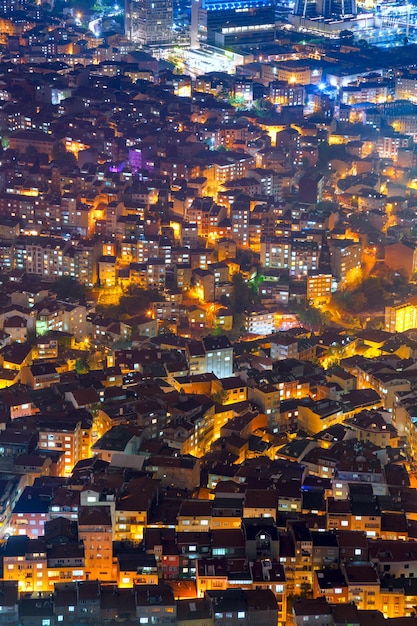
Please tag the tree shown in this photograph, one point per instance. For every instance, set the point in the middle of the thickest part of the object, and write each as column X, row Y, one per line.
column 135, row 302
column 373, row 293
column 67, row 287
column 310, row 316
column 5, row 137
column 264, row 108
column 237, row 101
column 327, row 152
column 60, row 153
column 243, row 296
column 306, row 590
column 220, row 396
column 333, row 355
column 357, row 302
column 306, row 593
column 327, row 206
column 246, row 257
column 238, row 326
column 31, row 151
column 81, row 366
column 165, row 328
column 31, row 337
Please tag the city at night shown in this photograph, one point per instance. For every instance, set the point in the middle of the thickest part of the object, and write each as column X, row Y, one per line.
column 208, row 313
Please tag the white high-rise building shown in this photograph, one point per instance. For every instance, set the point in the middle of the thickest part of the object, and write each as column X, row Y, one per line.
column 149, row 22
column 325, row 8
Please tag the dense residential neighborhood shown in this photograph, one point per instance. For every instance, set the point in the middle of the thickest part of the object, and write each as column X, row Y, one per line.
column 208, row 314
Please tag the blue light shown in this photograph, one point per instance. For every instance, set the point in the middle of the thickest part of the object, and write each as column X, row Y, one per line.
column 216, row 5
